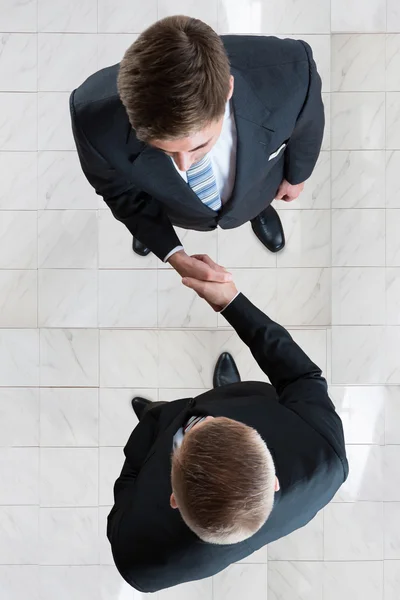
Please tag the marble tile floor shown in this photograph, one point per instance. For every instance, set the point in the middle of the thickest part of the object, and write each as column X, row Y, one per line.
column 85, row 324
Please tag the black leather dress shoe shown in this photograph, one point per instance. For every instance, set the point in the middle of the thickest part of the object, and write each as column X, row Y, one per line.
column 140, row 248
column 140, row 405
column 268, row 228
column 225, row 371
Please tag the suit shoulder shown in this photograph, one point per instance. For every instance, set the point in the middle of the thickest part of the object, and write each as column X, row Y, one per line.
column 254, row 51
column 100, row 88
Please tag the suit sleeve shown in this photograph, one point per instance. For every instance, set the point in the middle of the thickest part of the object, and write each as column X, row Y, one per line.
column 297, row 380
column 142, row 214
column 305, row 142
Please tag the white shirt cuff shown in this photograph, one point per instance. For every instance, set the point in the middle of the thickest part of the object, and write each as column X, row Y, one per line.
column 234, row 298
column 176, row 249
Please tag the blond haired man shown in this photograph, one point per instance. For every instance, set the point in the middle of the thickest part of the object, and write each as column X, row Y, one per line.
column 209, row 480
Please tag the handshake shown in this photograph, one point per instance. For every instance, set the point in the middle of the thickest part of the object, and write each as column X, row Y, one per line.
column 209, row 280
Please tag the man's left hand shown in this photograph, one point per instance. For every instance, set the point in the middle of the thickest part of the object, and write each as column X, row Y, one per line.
column 288, row 192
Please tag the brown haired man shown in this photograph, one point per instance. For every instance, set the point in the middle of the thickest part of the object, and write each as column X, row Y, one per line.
column 242, row 465
column 199, row 131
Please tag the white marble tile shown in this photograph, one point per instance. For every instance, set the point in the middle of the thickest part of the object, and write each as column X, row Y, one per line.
column 111, row 461
column 19, row 417
column 391, row 473
column 393, row 62
column 358, row 295
column 229, row 341
column 67, row 239
column 393, row 15
column 358, row 63
column 18, row 239
column 326, row 140
column 392, row 415
column 128, row 358
column 178, row 306
column 18, row 298
column 358, row 120
column 60, row 64
column 393, row 120
column 353, row 531
column 196, row 242
column 308, row 16
column 358, row 179
column 19, row 526
column 390, row 357
column 64, row 583
column 308, row 238
column 303, row 297
column 18, row 16
column 106, row 557
column 62, row 183
column 392, row 567
column 68, row 536
column 16, row 579
column 67, row 298
column 69, row 417
column 18, row 193
column 115, row 246
column 295, row 580
column 18, row 121
column 235, row 582
column 317, row 189
column 392, row 238
column 63, row 15
column 358, row 237
column 117, row 419
column 260, row 285
column 306, row 543
column 187, row 358
column 128, row 298
column 362, row 410
column 392, row 179
column 391, row 511
column 113, row 587
column 18, row 66
column 259, row 557
column 69, row 477
column 195, row 590
column 19, row 475
column 393, row 296
column 358, row 16
column 358, row 355
column 69, row 357
column 350, row 580
column 54, row 121
column 206, row 11
column 365, row 481
column 112, row 47
column 239, row 247
column 118, row 16
column 19, row 357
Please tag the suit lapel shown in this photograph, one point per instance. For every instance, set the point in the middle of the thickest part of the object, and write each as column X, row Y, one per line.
column 254, row 136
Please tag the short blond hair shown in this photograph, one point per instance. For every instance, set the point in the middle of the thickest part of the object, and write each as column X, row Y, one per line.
column 223, row 479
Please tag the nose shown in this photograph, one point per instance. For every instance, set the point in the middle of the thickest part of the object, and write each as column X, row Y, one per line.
column 183, row 161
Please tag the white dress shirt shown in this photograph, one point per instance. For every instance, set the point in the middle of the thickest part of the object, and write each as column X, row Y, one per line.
column 223, row 160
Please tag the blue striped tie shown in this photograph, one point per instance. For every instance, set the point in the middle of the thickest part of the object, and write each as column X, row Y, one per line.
column 202, row 180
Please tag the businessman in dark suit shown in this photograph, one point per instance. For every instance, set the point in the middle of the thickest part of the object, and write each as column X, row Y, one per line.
column 197, row 130
column 209, row 480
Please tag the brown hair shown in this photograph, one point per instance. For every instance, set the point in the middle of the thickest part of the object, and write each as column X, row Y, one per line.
column 174, row 79
column 223, row 479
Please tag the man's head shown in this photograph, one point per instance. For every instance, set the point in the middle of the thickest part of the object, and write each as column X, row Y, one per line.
column 223, row 481
column 174, row 82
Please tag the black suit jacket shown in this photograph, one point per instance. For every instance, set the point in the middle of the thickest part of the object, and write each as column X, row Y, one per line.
column 152, row 547
column 276, row 99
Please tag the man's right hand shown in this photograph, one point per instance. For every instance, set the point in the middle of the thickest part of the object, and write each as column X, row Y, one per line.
column 195, row 268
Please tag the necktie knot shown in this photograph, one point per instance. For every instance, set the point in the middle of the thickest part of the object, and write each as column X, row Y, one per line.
column 202, row 181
